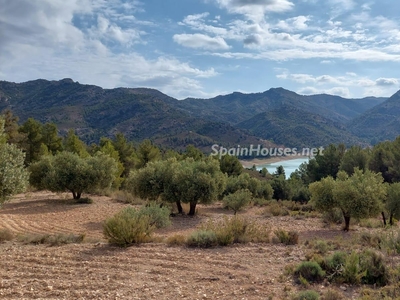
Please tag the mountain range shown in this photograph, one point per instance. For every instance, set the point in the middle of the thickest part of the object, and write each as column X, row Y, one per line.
column 274, row 117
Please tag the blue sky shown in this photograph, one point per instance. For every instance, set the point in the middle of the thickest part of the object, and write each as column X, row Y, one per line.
column 202, row 48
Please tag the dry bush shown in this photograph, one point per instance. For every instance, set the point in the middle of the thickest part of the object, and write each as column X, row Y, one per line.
column 275, row 209
column 52, row 240
column 176, row 240
column 126, row 197
column 237, row 229
column 6, row 235
column 202, row 239
column 286, row 237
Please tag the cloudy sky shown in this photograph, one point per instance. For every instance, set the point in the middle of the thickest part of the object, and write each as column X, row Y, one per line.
column 201, row 48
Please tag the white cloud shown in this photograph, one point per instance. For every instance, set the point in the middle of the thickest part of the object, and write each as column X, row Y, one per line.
column 338, row 91
column 202, row 41
column 386, row 82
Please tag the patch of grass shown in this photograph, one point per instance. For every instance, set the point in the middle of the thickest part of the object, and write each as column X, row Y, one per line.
column 202, row 239
column 176, row 240
column 286, row 237
column 126, row 197
column 237, row 229
column 331, row 294
column 391, row 242
column 306, row 295
column 6, row 235
column 370, row 239
column 371, row 223
column 275, row 209
column 52, row 240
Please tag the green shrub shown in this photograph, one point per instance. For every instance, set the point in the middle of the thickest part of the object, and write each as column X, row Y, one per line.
column 237, row 200
column 334, row 265
column 352, row 270
column 128, row 227
column 321, row 246
column 375, row 268
column 261, row 202
column 6, row 235
column 310, row 270
column 158, row 216
column 52, row 240
column 202, row 239
column 307, row 295
column 287, row 237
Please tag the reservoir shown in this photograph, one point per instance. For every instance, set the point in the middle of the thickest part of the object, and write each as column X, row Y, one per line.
column 290, row 165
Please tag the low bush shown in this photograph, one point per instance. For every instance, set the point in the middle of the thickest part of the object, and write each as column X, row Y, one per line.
column 334, row 265
column 126, row 197
column 309, row 270
column 306, row 295
column 331, row 294
column 6, row 235
column 158, row 215
column 352, row 269
column 275, row 209
column 202, row 239
column 374, row 266
column 287, row 237
column 237, row 230
column 391, row 242
column 370, row 239
column 128, row 227
column 176, row 240
column 52, row 240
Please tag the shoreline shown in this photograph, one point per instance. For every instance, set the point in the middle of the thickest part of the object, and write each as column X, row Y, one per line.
column 269, row 160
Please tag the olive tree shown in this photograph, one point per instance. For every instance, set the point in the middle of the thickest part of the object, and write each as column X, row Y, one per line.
column 359, row 196
column 187, row 181
column 68, row 171
column 13, row 175
column 392, row 203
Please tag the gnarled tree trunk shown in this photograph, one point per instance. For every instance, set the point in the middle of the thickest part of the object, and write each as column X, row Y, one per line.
column 179, row 206
column 192, row 210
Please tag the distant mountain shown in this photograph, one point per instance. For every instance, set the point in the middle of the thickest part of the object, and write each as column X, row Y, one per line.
column 295, row 127
column 382, row 122
column 274, row 116
column 138, row 113
column 237, row 107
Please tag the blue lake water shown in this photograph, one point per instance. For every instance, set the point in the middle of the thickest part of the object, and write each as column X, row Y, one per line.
column 289, row 165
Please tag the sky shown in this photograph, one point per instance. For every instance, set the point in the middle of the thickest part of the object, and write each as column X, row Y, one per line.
column 203, row 48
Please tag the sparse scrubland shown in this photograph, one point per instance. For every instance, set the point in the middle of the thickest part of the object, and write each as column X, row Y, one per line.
column 158, row 224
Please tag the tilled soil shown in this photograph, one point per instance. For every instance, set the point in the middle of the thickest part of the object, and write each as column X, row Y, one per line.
column 96, row 270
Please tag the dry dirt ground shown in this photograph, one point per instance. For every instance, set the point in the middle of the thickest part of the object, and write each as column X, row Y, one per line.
column 96, row 270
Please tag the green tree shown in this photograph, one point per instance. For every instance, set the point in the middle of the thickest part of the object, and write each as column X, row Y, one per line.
column 187, row 181
column 146, row 153
column 230, row 165
column 73, row 144
column 237, row 200
column 11, row 128
column 280, row 171
column 51, row 139
column 68, row 171
column 107, row 147
column 392, row 203
column 281, row 187
column 193, row 152
column 32, row 141
column 355, row 157
column 381, row 160
column 359, row 196
column 13, row 175
column 127, row 153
